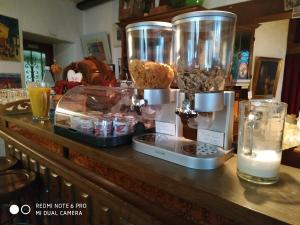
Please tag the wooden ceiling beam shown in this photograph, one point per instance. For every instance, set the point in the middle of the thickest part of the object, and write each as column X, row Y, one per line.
column 86, row 4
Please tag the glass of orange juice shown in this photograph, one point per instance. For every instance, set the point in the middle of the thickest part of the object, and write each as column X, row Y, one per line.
column 39, row 95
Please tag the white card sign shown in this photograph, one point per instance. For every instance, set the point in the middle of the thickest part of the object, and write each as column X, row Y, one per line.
column 165, row 128
column 73, row 76
column 211, row 137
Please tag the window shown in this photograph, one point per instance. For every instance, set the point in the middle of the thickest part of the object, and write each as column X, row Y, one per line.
column 34, row 64
column 36, row 57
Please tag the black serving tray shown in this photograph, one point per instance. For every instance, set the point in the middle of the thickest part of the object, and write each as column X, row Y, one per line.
column 98, row 142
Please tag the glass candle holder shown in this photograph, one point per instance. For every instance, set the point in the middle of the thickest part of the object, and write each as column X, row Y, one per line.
column 261, row 124
column 12, row 95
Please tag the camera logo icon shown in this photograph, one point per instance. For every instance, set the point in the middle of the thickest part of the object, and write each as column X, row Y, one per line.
column 14, row 209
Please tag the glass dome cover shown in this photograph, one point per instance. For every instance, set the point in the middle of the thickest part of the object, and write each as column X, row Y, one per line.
column 98, row 116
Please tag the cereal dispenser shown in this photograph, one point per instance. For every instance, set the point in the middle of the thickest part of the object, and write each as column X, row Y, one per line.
column 203, row 49
column 149, row 60
column 149, row 50
column 202, row 53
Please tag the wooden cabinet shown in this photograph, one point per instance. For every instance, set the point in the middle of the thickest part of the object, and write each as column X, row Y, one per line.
column 59, row 184
column 121, row 186
column 249, row 15
column 244, row 33
column 244, row 43
column 125, row 9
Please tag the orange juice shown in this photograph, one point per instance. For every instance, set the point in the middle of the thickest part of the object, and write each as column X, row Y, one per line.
column 40, row 101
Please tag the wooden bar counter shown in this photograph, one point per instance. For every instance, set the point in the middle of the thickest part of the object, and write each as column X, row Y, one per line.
column 122, row 186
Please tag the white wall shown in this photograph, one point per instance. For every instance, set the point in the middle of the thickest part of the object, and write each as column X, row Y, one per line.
column 102, row 19
column 271, row 41
column 57, row 19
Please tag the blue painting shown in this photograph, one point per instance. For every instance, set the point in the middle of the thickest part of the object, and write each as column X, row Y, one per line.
column 240, row 66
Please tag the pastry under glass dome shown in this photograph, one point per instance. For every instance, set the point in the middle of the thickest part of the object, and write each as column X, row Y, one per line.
column 99, row 116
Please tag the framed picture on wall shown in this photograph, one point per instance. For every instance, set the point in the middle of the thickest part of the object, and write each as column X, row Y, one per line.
column 265, row 78
column 97, row 45
column 9, row 39
column 10, row 80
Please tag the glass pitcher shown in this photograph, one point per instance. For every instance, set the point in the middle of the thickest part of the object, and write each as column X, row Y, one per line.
column 261, row 124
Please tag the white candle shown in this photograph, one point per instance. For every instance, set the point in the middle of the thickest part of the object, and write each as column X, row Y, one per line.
column 262, row 163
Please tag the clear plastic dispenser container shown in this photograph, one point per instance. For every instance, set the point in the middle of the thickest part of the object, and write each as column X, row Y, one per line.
column 203, row 49
column 99, row 116
column 149, row 54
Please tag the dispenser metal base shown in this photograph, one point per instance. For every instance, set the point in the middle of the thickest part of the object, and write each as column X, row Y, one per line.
column 188, row 153
column 155, row 96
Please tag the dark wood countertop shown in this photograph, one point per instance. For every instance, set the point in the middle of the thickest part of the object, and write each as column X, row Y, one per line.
column 219, row 190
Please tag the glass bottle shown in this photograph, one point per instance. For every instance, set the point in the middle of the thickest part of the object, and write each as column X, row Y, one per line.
column 47, row 77
column 193, row 2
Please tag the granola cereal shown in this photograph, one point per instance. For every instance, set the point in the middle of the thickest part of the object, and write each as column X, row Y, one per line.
column 198, row 80
column 149, row 74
